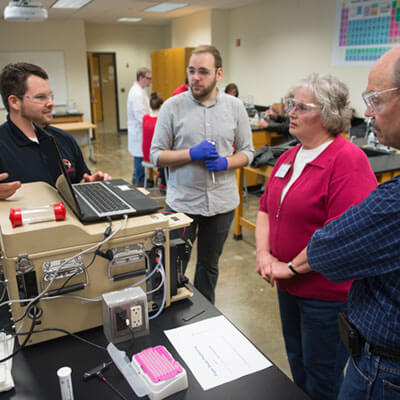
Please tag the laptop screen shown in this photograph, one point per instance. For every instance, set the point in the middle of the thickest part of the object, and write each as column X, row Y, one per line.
column 63, row 184
column 122, row 198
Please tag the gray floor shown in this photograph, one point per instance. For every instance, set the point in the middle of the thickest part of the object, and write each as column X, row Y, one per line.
column 241, row 294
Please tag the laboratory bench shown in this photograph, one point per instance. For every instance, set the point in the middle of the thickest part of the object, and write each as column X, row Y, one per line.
column 385, row 166
column 35, row 367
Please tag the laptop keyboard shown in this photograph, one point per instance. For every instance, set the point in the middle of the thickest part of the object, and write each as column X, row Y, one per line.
column 101, row 198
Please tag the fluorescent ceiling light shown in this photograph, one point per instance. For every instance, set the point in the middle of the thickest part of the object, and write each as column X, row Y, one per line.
column 129, row 19
column 165, row 7
column 70, row 3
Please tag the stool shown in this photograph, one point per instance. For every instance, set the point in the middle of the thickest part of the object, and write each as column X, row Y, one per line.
column 246, row 192
column 147, row 165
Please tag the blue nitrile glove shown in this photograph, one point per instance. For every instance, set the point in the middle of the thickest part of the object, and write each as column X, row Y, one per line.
column 203, row 151
column 217, row 164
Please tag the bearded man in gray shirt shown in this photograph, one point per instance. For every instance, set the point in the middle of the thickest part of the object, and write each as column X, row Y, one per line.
column 203, row 135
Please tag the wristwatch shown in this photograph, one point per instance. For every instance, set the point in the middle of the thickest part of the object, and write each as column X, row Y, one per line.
column 290, row 266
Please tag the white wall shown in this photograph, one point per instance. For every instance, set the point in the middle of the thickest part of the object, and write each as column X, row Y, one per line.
column 282, row 42
column 220, row 39
column 133, row 46
column 68, row 36
column 205, row 27
column 191, row 31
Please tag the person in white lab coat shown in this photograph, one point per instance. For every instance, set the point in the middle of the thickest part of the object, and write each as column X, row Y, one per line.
column 138, row 106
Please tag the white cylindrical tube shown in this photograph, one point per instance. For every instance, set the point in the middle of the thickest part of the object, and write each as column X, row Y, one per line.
column 64, row 376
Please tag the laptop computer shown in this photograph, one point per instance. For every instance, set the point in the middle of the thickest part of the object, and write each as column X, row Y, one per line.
column 97, row 201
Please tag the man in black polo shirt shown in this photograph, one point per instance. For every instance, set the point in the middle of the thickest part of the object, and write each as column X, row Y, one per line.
column 25, row 151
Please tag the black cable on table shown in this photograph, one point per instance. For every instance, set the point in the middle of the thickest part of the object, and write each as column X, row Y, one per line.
column 102, row 378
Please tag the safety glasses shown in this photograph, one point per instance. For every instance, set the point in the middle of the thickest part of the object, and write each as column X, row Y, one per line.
column 299, row 106
column 375, row 101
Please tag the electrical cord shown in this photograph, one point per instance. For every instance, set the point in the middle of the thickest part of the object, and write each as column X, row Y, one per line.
column 38, row 297
column 68, row 296
column 29, row 334
column 85, row 299
column 164, row 297
column 25, row 313
column 107, row 233
column 158, row 287
column 4, row 290
column 32, row 303
column 76, row 272
column 161, row 269
column 98, row 373
column 50, row 298
column 102, row 378
column 146, row 277
column 108, row 238
column 74, row 335
column 128, row 325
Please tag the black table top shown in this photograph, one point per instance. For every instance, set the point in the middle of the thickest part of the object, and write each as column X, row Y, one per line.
column 256, row 128
column 385, row 163
column 35, row 367
column 66, row 114
column 381, row 163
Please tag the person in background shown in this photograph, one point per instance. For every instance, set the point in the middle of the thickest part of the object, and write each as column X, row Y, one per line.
column 182, row 88
column 232, row 89
column 312, row 184
column 137, row 107
column 149, row 123
column 275, row 122
column 363, row 244
column 26, row 154
column 195, row 136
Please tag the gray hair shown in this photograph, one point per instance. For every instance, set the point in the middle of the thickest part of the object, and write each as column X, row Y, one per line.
column 333, row 96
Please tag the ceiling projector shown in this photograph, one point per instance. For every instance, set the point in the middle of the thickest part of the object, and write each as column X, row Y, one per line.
column 25, row 11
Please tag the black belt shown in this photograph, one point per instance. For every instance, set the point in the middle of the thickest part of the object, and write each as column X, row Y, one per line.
column 354, row 342
column 381, row 351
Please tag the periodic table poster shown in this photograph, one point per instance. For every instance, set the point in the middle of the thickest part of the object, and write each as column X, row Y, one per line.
column 364, row 30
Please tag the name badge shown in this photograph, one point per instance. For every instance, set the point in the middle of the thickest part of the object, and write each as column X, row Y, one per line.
column 283, row 170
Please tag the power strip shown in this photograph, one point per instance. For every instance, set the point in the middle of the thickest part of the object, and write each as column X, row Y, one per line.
column 136, row 319
column 124, row 309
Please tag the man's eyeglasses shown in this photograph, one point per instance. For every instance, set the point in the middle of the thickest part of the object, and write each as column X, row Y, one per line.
column 299, row 106
column 374, row 100
column 203, row 72
column 148, row 78
column 41, row 98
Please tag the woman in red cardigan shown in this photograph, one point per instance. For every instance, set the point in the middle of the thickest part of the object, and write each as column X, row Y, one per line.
column 311, row 184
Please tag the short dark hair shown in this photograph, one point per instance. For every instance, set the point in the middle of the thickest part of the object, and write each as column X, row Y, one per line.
column 13, row 79
column 231, row 86
column 155, row 101
column 212, row 50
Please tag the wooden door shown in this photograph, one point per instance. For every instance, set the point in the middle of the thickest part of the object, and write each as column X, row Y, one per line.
column 169, row 69
column 93, row 107
column 97, row 87
column 108, row 92
column 158, row 72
